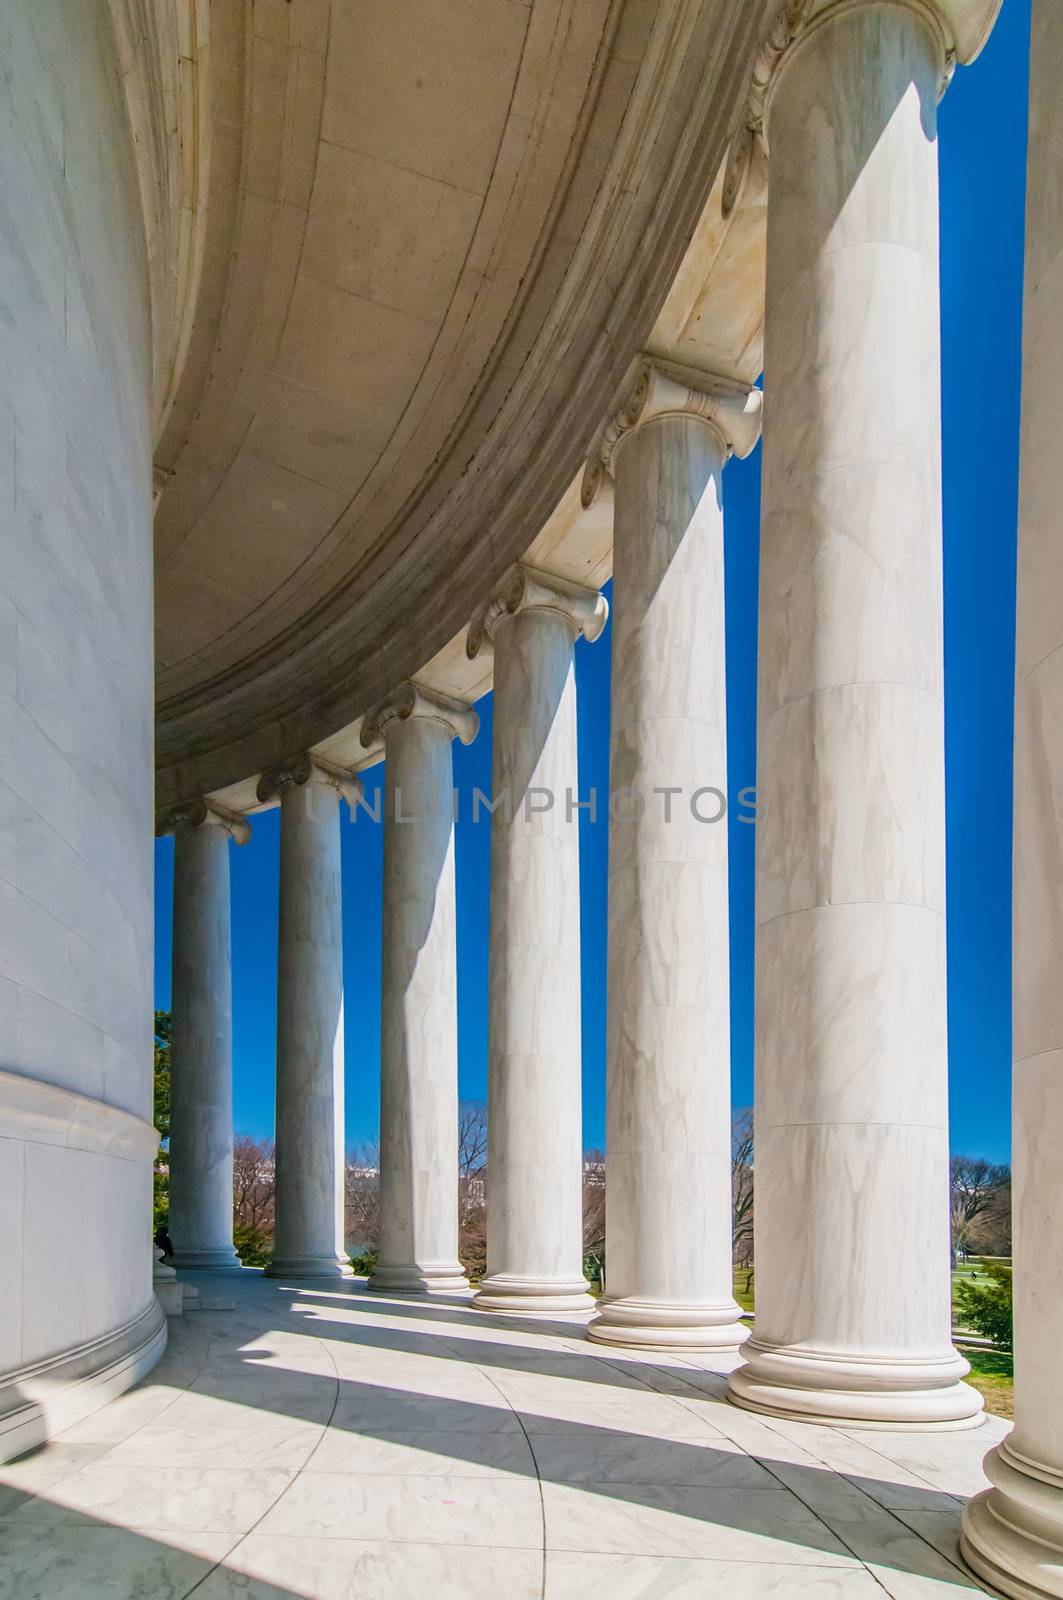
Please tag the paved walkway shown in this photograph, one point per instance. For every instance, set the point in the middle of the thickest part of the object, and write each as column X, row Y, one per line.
column 328, row 1443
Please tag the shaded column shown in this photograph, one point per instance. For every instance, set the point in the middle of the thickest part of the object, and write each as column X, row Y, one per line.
column 853, row 1318
column 308, row 1236
column 534, row 1125
column 1013, row 1534
column 668, row 1122
column 201, row 1077
column 419, row 1002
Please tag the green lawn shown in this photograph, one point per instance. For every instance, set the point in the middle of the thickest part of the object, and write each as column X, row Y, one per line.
column 967, row 1274
column 744, row 1296
column 991, row 1375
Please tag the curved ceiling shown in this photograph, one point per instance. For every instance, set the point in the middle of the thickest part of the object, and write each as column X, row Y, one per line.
column 434, row 237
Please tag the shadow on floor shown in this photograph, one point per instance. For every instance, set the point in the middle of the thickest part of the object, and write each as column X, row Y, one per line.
column 655, row 1450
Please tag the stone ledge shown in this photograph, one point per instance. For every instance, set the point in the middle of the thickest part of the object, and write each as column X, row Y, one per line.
column 47, row 1113
column 42, row 1399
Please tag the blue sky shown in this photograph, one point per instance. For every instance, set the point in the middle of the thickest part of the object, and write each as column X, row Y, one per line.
column 983, row 152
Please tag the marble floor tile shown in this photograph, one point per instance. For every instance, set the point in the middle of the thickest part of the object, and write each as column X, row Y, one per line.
column 955, row 1585
column 268, row 1567
column 36, row 1473
column 606, row 1577
column 248, row 1440
column 418, row 1378
column 654, row 1415
column 363, row 1409
column 949, row 1461
column 939, row 1528
column 540, row 1391
column 327, row 1445
column 100, row 1563
column 885, row 1480
column 298, row 1396
column 453, row 1453
column 124, row 1416
column 875, row 1535
column 721, row 1524
column 506, row 1365
column 603, row 1458
column 504, row 1512
column 191, row 1499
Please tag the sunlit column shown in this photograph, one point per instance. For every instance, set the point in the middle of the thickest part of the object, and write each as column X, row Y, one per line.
column 668, row 1124
column 201, row 1084
column 852, row 1247
column 308, row 1238
column 1013, row 1535
column 534, row 1128
column 419, row 999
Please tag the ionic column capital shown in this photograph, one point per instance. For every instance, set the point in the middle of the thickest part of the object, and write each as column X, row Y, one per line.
column 411, row 699
column 306, row 768
column 961, row 28
column 660, row 389
column 204, row 813
column 525, row 589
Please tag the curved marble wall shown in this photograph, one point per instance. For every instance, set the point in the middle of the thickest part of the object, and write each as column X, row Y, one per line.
column 78, row 1318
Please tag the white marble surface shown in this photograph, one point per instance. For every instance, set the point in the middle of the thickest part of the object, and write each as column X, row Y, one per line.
column 535, row 1132
column 851, row 1063
column 1014, row 1536
column 320, row 1443
column 668, row 1170
column 419, row 996
column 76, row 713
column 201, row 1093
column 309, row 1236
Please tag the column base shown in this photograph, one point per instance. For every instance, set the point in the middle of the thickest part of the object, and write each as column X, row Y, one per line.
column 309, row 1267
column 511, row 1293
column 441, row 1280
column 830, row 1387
column 668, row 1325
column 46, row 1397
column 1013, row 1533
column 223, row 1260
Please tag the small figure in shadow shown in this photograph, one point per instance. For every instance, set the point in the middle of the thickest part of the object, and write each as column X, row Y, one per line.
column 163, row 1241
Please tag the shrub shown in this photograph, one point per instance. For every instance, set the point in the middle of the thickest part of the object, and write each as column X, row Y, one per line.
column 252, row 1246
column 987, row 1307
column 364, row 1263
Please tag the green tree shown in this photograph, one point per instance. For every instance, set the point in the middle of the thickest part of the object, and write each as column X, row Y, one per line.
column 987, row 1307
column 161, row 1115
column 252, row 1245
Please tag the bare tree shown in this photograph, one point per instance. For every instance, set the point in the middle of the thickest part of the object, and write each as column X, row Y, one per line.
column 594, row 1211
column 253, row 1194
column 472, row 1138
column 977, row 1187
column 742, row 1187
column 472, row 1186
column 990, row 1234
column 361, row 1195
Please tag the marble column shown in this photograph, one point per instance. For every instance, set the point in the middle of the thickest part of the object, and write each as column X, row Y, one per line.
column 534, row 1123
column 201, row 1084
column 852, row 1225
column 668, row 1124
column 1013, row 1534
column 419, row 1003
column 308, row 1237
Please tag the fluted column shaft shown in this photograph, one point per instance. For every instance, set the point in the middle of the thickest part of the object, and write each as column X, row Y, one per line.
column 534, row 1151
column 1013, row 1535
column 309, row 1134
column 419, row 1002
column 668, row 1183
column 201, row 1087
column 852, row 1248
